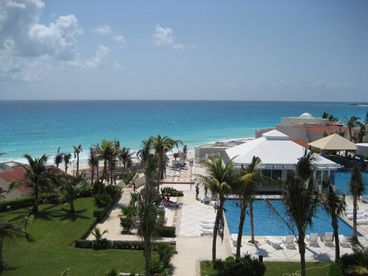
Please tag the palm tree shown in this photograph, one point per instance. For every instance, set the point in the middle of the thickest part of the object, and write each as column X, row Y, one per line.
column 221, row 180
column 351, row 123
column 301, row 201
column 146, row 210
column 247, row 189
column 58, row 158
column 93, row 163
column 335, row 206
column 8, row 231
column 362, row 132
column 71, row 186
column 125, row 156
column 36, row 177
column 161, row 146
column 356, row 188
column 77, row 151
column 105, row 152
column 67, row 156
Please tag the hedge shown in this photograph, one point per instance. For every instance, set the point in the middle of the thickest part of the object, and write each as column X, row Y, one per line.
column 107, row 244
column 52, row 198
column 167, row 231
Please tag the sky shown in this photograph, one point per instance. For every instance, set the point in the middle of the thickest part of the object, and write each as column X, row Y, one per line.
column 184, row 50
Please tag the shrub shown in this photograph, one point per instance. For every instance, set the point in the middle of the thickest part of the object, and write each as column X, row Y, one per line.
column 160, row 217
column 170, row 191
column 335, row 270
column 99, row 214
column 165, row 252
column 103, row 200
column 166, row 231
column 233, row 266
column 112, row 272
column 130, row 245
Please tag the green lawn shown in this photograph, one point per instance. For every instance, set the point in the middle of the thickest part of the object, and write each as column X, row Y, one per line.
column 279, row 268
column 51, row 252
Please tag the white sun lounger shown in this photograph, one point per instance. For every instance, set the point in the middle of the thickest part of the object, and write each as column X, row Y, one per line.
column 289, row 242
column 359, row 216
column 344, row 242
column 313, row 240
column 206, row 226
column 204, row 231
column 363, row 221
column 274, row 242
column 207, row 221
column 360, row 211
column 327, row 239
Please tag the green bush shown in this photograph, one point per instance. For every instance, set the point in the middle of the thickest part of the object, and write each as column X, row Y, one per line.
column 112, row 272
column 335, row 270
column 160, row 217
column 170, row 191
column 166, row 231
column 99, row 214
column 130, row 245
column 103, row 200
column 233, row 266
column 165, row 252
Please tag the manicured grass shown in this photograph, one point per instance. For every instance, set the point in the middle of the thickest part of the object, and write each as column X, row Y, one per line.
column 51, row 252
column 279, row 268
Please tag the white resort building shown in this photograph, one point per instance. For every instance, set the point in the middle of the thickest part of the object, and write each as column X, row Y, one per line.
column 279, row 156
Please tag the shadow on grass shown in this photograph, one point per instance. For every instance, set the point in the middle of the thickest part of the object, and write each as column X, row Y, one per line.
column 9, row 268
column 65, row 214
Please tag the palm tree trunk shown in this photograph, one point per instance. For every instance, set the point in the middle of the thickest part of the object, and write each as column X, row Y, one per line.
column 251, row 220
column 92, row 176
column 241, row 225
column 1, row 254
column 215, row 229
column 147, row 256
column 301, row 245
column 77, row 163
column 35, row 201
column 98, row 173
column 354, row 236
column 336, row 236
column 66, row 167
column 104, row 173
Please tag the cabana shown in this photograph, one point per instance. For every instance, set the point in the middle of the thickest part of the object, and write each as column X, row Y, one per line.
column 279, row 156
column 334, row 142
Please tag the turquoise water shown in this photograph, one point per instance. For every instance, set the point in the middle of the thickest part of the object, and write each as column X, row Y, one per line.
column 342, row 179
column 38, row 127
column 267, row 223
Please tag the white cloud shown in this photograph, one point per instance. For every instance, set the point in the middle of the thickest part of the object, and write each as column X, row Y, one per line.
column 104, row 29
column 97, row 60
column 331, row 84
column 165, row 37
column 29, row 48
column 120, row 40
column 118, row 66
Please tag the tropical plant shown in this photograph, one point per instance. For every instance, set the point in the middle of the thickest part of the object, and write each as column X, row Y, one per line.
column 106, row 152
column 147, row 212
column 362, row 132
column 356, row 188
column 301, row 201
column 127, row 217
column 335, row 206
column 233, row 266
column 93, row 163
column 246, row 189
column 125, row 156
column 36, row 177
column 8, row 231
column 28, row 219
column 77, row 151
column 58, row 158
column 71, row 187
column 162, row 145
column 330, row 117
column 221, row 180
column 352, row 122
column 67, row 156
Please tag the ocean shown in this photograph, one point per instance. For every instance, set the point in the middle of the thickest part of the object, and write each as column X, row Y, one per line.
column 38, row 127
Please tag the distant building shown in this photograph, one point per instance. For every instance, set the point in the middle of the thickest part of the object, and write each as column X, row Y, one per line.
column 279, row 156
column 11, row 171
column 306, row 128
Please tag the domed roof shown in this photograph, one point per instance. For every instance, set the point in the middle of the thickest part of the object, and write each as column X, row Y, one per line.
column 306, row 115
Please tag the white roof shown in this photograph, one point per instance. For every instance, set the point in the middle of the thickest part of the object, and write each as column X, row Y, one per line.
column 276, row 150
column 306, row 115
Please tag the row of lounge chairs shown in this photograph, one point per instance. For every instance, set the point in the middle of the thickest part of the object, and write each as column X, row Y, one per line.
column 206, row 227
column 362, row 216
column 313, row 239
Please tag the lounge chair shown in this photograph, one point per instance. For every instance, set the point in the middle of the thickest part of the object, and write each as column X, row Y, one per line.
column 207, row 221
column 204, row 231
column 359, row 216
column 313, row 240
column 234, row 238
column 274, row 242
column 206, row 225
column 363, row 221
column 327, row 239
column 360, row 211
column 289, row 242
column 344, row 242
column 206, row 200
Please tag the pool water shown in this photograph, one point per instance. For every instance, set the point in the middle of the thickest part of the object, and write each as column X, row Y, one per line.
column 267, row 223
column 342, row 179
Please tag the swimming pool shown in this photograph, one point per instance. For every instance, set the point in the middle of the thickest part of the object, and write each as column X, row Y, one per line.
column 342, row 179
column 267, row 223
